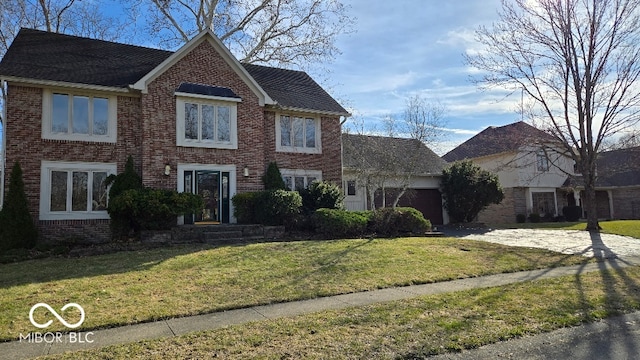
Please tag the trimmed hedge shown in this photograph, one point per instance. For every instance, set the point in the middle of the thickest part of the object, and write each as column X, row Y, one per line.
column 340, row 223
column 321, row 195
column 151, row 209
column 399, row 220
column 269, row 207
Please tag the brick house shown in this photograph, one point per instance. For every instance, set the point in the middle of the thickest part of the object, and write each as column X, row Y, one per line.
column 194, row 120
column 537, row 177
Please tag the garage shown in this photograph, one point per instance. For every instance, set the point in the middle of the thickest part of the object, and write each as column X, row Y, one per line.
column 427, row 201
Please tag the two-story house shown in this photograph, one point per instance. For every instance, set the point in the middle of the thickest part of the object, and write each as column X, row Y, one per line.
column 194, row 120
column 531, row 167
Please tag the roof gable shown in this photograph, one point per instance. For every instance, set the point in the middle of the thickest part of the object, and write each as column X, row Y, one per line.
column 362, row 149
column 496, row 140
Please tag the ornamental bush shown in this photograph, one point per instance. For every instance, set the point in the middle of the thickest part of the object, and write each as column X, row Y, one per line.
column 272, row 179
column 572, row 213
column 17, row 229
column 321, row 195
column 337, row 223
column 151, row 209
column 276, row 207
column 399, row 220
column 244, row 205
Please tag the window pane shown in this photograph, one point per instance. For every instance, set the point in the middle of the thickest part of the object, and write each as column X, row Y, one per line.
column 298, row 127
column 351, row 187
column 79, row 191
column 288, row 182
column 80, row 115
column 299, row 183
column 60, row 116
column 310, row 132
column 207, row 122
column 100, row 116
column 285, row 131
column 99, row 194
column 224, row 123
column 58, row 191
column 190, row 121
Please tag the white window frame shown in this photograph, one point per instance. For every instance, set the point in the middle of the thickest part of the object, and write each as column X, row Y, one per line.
column 46, row 169
column 542, row 161
column 200, row 100
column 47, row 117
column 306, row 174
column 299, row 149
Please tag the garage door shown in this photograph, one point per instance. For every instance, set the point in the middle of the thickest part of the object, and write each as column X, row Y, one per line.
column 427, row 201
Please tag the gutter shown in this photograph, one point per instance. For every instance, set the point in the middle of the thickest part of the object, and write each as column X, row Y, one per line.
column 3, row 151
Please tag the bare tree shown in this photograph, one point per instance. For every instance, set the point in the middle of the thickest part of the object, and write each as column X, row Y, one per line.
column 578, row 60
column 256, row 31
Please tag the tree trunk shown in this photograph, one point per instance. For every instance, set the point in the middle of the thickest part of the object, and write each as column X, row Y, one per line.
column 591, row 206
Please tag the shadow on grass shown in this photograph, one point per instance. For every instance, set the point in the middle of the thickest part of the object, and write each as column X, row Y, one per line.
column 61, row 268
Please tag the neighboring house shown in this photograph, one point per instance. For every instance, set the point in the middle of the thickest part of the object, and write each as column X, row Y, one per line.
column 537, row 177
column 377, row 165
column 194, row 120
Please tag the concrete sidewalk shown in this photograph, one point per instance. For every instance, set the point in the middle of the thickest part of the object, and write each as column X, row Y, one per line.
column 180, row 326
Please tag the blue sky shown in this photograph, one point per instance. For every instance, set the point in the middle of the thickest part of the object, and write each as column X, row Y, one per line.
column 408, row 47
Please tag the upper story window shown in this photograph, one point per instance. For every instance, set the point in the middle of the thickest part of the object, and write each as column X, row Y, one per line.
column 82, row 117
column 203, row 123
column 542, row 161
column 298, row 134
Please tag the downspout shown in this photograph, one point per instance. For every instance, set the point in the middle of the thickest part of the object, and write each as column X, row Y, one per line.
column 3, row 152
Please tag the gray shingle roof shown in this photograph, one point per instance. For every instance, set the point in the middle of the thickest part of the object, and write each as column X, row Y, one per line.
column 619, row 167
column 42, row 55
column 200, row 89
column 49, row 56
column 294, row 89
column 496, row 140
column 358, row 150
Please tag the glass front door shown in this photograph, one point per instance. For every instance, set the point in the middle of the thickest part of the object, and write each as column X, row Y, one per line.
column 213, row 187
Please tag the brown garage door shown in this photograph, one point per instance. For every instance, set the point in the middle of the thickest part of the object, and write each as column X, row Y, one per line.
column 427, row 201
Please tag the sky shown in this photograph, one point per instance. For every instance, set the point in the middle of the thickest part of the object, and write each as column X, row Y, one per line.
column 416, row 47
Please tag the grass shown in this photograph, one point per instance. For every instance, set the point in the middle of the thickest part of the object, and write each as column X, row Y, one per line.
column 619, row 227
column 140, row 286
column 407, row 329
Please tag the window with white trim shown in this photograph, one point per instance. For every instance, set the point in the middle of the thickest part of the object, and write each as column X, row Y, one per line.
column 74, row 190
column 202, row 123
column 77, row 116
column 542, row 161
column 298, row 134
column 300, row 179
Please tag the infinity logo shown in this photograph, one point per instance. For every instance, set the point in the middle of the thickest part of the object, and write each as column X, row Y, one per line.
column 42, row 326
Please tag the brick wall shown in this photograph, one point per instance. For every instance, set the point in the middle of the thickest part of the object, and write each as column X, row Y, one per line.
column 25, row 144
column 513, row 203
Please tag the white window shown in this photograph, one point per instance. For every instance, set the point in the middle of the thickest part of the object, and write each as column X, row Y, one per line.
column 544, row 203
column 81, row 117
column 297, row 134
column 74, row 190
column 202, row 123
column 300, row 179
column 542, row 161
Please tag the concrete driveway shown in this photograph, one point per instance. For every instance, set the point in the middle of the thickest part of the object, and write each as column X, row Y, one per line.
column 565, row 241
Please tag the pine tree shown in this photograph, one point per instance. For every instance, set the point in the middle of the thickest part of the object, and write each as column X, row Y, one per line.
column 17, row 229
column 272, row 179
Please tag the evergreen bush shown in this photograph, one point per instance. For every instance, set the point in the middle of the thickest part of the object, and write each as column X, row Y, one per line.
column 17, row 229
column 335, row 223
column 272, row 179
column 399, row 220
column 321, row 195
column 572, row 213
column 244, row 205
column 276, row 207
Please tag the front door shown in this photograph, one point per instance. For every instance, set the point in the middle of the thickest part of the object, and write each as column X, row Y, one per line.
column 213, row 187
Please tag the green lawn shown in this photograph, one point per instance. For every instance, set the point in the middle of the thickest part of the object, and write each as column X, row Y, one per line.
column 619, row 227
column 408, row 329
column 139, row 286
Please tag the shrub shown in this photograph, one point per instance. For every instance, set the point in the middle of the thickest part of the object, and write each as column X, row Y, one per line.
column 276, row 207
column 521, row 218
column 339, row 223
column 321, row 195
column 244, row 207
column 399, row 220
column 534, row 217
column 127, row 180
column 151, row 209
column 272, row 179
column 468, row 189
column 17, row 229
column 572, row 213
